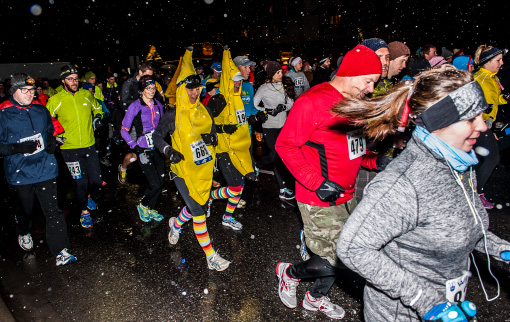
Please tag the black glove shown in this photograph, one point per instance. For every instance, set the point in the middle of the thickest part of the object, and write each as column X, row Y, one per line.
column 229, row 128
column 260, row 116
column 252, row 176
column 51, row 144
column 280, row 108
column 96, row 123
column 382, row 162
column 138, row 150
column 23, row 147
column 210, row 139
column 329, row 191
column 173, row 155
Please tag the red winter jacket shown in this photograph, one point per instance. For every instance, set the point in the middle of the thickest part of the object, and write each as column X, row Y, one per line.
column 315, row 144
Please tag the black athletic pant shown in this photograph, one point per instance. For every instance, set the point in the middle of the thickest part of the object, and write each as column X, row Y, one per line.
column 486, row 164
column 270, row 136
column 85, row 169
column 56, row 228
column 154, row 172
column 232, row 176
column 318, row 268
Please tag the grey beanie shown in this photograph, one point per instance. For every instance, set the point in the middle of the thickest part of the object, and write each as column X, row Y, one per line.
column 19, row 80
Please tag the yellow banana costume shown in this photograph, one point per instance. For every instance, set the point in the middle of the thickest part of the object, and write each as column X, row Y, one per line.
column 192, row 120
column 237, row 145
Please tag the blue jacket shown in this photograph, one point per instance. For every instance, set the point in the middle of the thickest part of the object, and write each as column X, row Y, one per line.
column 18, row 122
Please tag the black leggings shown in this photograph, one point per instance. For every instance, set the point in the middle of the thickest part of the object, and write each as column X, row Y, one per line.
column 232, row 176
column 486, row 164
column 270, row 136
column 318, row 268
column 56, row 228
column 193, row 206
column 154, row 172
column 84, row 167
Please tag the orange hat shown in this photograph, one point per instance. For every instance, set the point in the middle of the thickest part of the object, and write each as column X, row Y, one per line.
column 360, row 61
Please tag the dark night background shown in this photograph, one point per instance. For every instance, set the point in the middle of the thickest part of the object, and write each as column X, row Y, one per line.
column 110, row 31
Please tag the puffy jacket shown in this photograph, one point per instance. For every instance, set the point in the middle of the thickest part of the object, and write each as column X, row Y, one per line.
column 492, row 91
column 16, row 123
column 75, row 113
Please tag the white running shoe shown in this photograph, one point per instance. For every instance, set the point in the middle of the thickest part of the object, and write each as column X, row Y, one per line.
column 324, row 305
column 173, row 235
column 287, row 286
column 218, row 263
column 232, row 223
column 65, row 258
column 26, row 242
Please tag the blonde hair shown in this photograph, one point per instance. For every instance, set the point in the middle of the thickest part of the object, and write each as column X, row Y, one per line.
column 480, row 50
column 380, row 116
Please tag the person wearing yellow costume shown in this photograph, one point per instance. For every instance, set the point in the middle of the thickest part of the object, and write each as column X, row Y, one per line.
column 171, row 90
column 192, row 156
column 234, row 140
column 490, row 60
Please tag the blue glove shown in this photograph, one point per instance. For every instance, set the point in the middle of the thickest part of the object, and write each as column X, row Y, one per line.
column 448, row 312
column 143, row 158
column 505, row 255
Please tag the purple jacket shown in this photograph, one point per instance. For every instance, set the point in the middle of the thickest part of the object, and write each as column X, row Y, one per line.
column 145, row 119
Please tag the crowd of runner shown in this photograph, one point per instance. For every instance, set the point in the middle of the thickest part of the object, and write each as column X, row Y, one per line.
column 415, row 119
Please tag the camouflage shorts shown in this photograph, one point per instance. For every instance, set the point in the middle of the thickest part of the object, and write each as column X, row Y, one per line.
column 323, row 225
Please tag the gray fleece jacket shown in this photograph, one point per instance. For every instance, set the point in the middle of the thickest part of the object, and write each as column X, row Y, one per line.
column 301, row 84
column 272, row 94
column 411, row 233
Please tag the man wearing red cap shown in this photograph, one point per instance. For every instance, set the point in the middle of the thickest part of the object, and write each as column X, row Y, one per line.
column 324, row 153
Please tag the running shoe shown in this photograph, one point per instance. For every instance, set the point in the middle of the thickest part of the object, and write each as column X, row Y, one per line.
column 232, row 223
column 143, row 211
column 286, row 194
column 91, row 205
column 173, row 235
column 65, row 258
column 85, row 220
column 486, row 203
column 26, row 242
column 122, row 175
column 302, row 247
column 155, row 215
column 324, row 305
column 209, row 203
column 218, row 263
column 216, row 184
column 287, row 286
column 241, row 204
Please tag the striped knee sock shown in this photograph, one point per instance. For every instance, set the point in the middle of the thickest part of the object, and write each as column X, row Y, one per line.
column 183, row 217
column 200, row 228
column 233, row 201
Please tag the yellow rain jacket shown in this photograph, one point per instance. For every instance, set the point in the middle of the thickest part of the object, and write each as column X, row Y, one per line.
column 237, row 145
column 192, row 120
column 491, row 90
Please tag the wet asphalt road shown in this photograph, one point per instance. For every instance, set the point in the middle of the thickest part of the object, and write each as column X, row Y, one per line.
column 127, row 271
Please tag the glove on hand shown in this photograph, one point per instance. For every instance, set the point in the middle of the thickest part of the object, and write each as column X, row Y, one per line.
column 24, row 147
column 96, row 123
column 382, row 162
column 173, row 155
column 143, row 158
column 51, row 144
column 280, row 108
column 260, row 116
column 448, row 312
column 329, row 191
column 210, row 139
column 229, row 128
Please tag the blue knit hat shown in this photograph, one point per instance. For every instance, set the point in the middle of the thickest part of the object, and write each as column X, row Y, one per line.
column 462, row 62
column 375, row 44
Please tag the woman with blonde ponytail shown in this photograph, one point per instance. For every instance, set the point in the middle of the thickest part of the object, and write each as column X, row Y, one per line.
column 419, row 220
column 489, row 60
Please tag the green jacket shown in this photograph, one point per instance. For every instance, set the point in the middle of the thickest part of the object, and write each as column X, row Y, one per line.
column 75, row 113
column 382, row 87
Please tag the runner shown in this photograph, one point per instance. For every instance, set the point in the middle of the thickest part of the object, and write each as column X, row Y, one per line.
column 191, row 128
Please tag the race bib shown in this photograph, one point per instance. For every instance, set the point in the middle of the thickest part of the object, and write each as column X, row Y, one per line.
column 356, row 144
column 148, row 137
column 200, row 152
column 38, row 139
column 74, row 169
column 456, row 288
column 241, row 117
